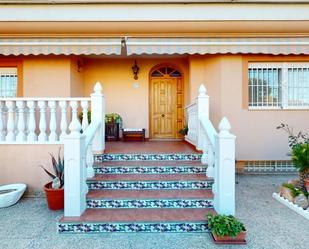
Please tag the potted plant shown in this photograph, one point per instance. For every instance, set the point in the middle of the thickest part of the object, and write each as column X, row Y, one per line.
column 226, row 229
column 113, row 123
column 183, row 131
column 299, row 145
column 54, row 189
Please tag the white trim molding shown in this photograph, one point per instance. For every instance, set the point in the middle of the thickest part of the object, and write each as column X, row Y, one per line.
column 154, row 12
column 291, row 206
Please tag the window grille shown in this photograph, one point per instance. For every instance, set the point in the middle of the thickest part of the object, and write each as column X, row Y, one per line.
column 278, row 85
column 8, row 82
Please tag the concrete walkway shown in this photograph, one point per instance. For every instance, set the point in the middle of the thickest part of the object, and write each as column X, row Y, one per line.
column 29, row 224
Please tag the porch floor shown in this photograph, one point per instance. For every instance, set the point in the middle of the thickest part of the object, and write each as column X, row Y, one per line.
column 153, row 147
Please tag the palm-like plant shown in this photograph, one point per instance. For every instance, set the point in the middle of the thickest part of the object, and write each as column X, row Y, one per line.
column 299, row 145
column 58, row 174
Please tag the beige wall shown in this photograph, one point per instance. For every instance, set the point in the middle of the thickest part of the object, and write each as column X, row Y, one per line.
column 20, row 163
column 76, row 78
column 118, row 86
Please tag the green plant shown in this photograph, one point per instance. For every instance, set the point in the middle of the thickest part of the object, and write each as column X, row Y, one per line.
column 58, row 174
column 113, row 118
column 294, row 191
column 184, row 130
column 299, row 145
column 225, row 225
column 80, row 116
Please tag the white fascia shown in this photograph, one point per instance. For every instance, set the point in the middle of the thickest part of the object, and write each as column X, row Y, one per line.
column 154, row 12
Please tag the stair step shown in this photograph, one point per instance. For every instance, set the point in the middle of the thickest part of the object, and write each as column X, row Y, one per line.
column 149, row 194
column 149, row 177
column 148, row 157
column 136, row 220
column 148, row 163
column 151, row 169
column 150, row 199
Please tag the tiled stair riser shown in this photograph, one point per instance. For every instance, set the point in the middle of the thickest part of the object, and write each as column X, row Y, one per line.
column 150, row 170
column 133, row 227
column 147, row 157
column 148, row 203
column 152, row 185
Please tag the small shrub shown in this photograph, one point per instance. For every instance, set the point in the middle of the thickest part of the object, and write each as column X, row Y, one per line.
column 225, row 225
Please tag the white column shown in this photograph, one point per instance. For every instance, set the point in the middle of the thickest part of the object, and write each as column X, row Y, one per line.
column 2, row 137
column 21, row 125
column 64, row 122
column 98, row 114
column 85, row 121
column 53, row 123
column 10, row 123
column 42, row 124
column 74, row 175
column 31, row 125
column 202, row 111
column 224, row 177
column 75, row 125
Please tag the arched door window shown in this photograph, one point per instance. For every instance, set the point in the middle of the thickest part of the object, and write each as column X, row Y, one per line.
column 166, row 71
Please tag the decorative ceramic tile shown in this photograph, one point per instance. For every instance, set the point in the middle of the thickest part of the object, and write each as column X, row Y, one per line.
column 149, row 203
column 149, row 184
column 151, row 170
column 132, row 227
column 147, row 157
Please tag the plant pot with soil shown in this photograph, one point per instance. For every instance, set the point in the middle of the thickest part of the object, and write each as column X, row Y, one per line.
column 226, row 229
column 54, row 189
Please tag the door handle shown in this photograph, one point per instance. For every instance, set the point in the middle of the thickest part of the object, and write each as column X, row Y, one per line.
column 162, row 115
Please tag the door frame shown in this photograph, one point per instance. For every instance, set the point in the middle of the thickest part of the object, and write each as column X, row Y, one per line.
column 178, row 105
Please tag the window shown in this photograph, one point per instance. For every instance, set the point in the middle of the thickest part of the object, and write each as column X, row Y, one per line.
column 278, row 85
column 8, row 81
column 166, row 71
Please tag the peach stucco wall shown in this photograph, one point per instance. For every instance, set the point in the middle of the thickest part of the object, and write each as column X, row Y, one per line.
column 122, row 97
column 18, row 164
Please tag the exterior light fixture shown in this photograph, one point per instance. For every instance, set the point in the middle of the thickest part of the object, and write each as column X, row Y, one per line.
column 135, row 70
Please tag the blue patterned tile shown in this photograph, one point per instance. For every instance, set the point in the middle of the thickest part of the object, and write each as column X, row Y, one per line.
column 149, row 184
column 150, row 203
column 147, row 157
column 132, row 227
column 151, row 170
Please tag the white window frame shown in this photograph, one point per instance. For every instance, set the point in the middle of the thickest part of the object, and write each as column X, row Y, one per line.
column 9, row 71
column 284, row 66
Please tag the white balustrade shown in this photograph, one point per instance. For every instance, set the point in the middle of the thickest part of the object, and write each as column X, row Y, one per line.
column 41, row 120
column 78, row 152
column 218, row 151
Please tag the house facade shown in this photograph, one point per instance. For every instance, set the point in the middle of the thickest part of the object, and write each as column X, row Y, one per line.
column 252, row 57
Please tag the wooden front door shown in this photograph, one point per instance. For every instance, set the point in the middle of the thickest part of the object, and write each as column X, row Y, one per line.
column 165, row 92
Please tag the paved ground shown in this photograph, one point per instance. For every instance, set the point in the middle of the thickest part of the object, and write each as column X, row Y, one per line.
column 29, row 224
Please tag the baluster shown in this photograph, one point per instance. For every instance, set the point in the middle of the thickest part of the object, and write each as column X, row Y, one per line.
column 53, row 123
column 2, row 137
column 64, row 122
column 85, row 121
column 31, row 125
column 10, row 124
column 42, row 125
column 75, row 125
column 21, row 125
column 90, row 161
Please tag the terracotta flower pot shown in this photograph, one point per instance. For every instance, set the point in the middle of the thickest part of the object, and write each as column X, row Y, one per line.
column 306, row 181
column 55, row 197
column 239, row 239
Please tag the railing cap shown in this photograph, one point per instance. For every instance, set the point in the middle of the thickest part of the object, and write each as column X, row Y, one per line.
column 224, row 125
column 202, row 90
column 97, row 87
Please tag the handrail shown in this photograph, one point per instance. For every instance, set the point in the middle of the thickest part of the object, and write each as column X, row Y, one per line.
column 209, row 129
column 90, row 132
column 44, row 98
